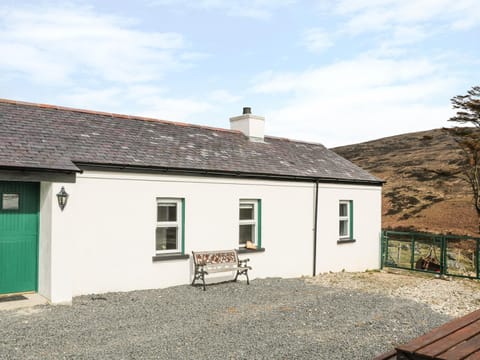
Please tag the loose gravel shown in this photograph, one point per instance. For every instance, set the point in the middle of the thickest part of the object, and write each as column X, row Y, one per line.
column 447, row 295
column 331, row 316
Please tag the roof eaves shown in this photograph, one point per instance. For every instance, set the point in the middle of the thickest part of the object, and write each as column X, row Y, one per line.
column 73, row 169
column 224, row 173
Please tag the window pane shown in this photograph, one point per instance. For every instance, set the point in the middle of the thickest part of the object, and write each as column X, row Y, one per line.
column 167, row 212
column 247, row 233
column 343, row 209
column 246, row 212
column 10, row 201
column 166, row 238
column 343, row 228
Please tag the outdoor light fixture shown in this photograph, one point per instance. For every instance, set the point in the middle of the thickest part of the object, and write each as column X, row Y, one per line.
column 62, row 198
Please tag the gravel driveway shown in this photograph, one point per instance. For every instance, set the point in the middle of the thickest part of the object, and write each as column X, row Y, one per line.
column 270, row 319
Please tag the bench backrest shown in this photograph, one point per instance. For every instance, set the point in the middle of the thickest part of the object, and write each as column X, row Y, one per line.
column 216, row 259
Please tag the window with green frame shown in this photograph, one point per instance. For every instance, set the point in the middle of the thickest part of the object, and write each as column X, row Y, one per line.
column 345, row 219
column 170, row 228
column 250, row 223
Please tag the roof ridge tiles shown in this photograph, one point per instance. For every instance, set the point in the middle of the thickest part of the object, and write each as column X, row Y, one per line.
column 115, row 115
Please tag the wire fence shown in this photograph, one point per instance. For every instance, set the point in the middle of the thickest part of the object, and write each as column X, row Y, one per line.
column 441, row 254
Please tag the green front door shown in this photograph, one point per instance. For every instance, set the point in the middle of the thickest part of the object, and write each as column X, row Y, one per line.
column 19, row 205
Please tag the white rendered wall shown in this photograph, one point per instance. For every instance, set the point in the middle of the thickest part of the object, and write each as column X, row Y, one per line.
column 45, row 235
column 107, row 230
column 55, row 247
column 114, row 219
column 362, row 254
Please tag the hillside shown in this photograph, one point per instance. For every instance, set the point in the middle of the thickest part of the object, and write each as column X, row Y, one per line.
column 422, row 192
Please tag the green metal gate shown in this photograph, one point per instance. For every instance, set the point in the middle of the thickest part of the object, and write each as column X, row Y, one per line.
column 442, row 254
column 19, row 216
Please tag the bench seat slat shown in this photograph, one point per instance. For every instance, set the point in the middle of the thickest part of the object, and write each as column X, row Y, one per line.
column 217, row 270
column 442, row 345
column 462, row 350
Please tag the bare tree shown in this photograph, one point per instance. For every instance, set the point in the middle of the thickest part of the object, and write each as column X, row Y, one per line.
column 468, row 139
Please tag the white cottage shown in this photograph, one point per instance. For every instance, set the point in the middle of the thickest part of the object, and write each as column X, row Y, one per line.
column 144, row 193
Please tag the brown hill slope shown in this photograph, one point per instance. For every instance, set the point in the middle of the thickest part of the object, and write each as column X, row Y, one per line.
column 422, row 192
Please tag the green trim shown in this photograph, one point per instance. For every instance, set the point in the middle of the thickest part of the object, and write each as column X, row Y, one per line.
column 259, row 223
column 382, row 249
column 183, row 226
column 393, row 232
column 443, row 255
column 351, row 219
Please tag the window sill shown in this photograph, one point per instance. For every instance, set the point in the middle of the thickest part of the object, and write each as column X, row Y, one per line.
column 346, row 241
column 248, row 251
column 166, row 257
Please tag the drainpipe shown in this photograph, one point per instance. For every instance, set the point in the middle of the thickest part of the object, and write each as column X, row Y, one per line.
column 315, row 230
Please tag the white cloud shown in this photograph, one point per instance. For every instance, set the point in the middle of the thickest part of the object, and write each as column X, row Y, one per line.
column 317, row 40
column 176, row 109
column 397, row 41
column 358, row 100
column 349, row 75
column 339, row 123
column 95, row 61
column 59, row 44
column 389, row 87
column 223, row 96
column 377, row 15
column 136, row 100
column 257, row 9
column 470, row 11
column 408, row 34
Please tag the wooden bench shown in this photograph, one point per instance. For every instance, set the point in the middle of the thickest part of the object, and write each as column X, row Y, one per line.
column 209, row 262
column 457, row 339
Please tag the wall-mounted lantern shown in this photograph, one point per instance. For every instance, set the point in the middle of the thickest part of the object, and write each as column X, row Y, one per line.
column 62, row 198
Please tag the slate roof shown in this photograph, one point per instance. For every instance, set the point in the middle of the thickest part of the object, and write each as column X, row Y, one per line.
column 36, row 136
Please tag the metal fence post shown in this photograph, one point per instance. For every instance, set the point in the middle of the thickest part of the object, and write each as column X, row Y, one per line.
column 477, row 259
column 443, row 257
column 412, row 250
column 382, row 249
column 385, row 247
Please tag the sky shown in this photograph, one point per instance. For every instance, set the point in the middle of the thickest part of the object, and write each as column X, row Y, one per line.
column 332, row 72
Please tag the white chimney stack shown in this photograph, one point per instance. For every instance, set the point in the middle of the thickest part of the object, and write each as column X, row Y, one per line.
column 252, row 126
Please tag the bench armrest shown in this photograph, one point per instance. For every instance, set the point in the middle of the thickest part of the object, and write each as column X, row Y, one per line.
column 199, row 268
column 243, row 262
